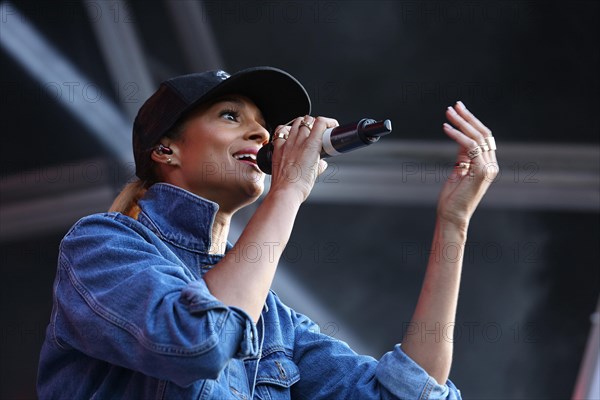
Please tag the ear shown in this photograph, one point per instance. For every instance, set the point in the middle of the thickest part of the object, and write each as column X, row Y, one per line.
column 168, row 155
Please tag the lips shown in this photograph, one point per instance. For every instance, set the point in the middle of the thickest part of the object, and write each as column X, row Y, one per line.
column 247, row 156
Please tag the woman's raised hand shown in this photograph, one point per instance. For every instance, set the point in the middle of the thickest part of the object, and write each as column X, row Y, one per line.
column 475, row 169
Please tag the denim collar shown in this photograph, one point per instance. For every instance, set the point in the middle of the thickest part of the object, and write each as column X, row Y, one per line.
column 179, row 217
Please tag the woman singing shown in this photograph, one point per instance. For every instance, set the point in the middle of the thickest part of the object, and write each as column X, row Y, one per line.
column 152, row 302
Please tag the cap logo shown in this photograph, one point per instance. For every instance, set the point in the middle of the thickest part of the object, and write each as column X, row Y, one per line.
column 223, row 75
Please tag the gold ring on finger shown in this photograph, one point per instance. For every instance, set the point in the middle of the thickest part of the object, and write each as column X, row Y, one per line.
column 463, row 165
column 484, row 146
column 306, row 124
column 474, row 152
column 281, row 135
column 491, row 142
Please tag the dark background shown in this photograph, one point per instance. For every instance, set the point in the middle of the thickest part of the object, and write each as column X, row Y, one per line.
column 528, row 69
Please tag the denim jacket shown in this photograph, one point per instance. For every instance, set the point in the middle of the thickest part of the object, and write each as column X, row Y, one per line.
column 132, row 318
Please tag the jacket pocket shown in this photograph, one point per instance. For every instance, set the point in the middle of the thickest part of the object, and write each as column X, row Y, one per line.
column 276, row 374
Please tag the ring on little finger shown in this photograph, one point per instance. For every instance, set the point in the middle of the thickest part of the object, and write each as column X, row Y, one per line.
column 463, row 165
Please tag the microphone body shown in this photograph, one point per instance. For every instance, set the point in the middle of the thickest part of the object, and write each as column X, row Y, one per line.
column 338, row 140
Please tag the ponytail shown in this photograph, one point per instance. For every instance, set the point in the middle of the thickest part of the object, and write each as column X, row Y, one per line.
column 127, row 201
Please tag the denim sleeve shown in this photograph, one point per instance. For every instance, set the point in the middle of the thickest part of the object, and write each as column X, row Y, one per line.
column 399, row 374
column 329, row 369
column 121, row 298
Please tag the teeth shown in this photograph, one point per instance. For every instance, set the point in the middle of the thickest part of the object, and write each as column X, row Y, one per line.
column 240, row 156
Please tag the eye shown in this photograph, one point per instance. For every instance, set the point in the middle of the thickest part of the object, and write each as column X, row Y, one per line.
column 230, row 115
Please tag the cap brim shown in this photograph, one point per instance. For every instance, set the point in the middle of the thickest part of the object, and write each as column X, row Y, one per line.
column 278, row 95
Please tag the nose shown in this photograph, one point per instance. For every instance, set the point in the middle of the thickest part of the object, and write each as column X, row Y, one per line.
column 258, row 133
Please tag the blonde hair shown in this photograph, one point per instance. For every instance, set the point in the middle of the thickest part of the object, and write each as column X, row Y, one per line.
column 127, row 201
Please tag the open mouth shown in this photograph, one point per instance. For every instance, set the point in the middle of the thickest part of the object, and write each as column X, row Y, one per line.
column 247, row 158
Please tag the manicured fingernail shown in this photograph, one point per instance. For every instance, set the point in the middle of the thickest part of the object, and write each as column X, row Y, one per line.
column 447, row 126
column 460, row 103
column 451, row 109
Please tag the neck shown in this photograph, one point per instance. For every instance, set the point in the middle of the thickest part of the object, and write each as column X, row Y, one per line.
column 220, row 231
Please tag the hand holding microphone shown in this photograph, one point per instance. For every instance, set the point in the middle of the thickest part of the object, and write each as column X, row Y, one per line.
column 338, row 140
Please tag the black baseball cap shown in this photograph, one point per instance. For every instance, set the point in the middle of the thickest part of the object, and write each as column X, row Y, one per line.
column 278, row 95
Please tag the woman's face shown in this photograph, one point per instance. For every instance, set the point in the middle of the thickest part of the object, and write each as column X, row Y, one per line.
column 216, row 154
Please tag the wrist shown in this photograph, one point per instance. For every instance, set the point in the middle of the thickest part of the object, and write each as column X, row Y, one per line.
column 285, row 195
column 454, row 228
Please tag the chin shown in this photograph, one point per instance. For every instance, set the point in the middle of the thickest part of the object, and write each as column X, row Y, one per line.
column 251, row 187
column 255, row 190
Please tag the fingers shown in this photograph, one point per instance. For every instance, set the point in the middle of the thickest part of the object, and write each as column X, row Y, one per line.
column 319, row 126
column 467, row 124
column 300, row 141
column 470, row 118
column 471, row 134
column 306, row 130
column 457, row 120
column 280, row 136
column 459, row 137
column 300, row 130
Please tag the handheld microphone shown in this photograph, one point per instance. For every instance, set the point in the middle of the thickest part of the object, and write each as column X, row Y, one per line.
column 338, row 140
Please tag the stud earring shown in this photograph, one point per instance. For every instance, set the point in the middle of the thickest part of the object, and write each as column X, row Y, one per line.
column 162, row 149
